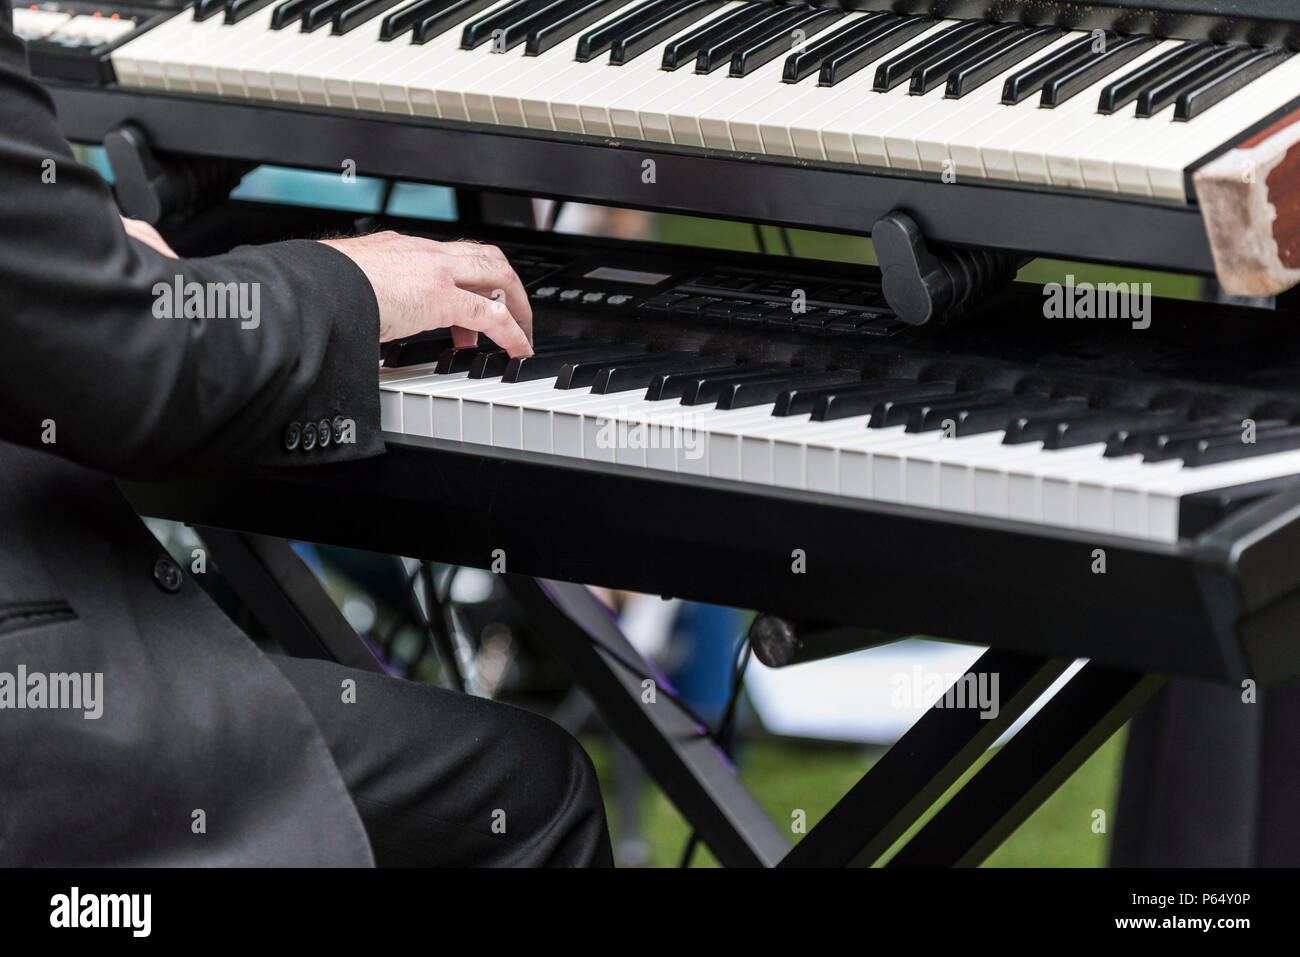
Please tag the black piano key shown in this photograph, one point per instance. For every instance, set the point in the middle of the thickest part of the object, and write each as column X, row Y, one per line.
column 1159, row 95
column 1075, row 79
column 1226, row 81
column 357, row 12
column 582, row 372
column 913, row 412
column 1117, row 95
column 518, row 32
column 548, row 365
column 1030, row 80
column 743, row 395
column 291, row 11
column 650, row 35
column 458, row 359
column 595, row 42
column 566, row 25
column 629, row 374
column 967, row 415
column 749, row 58
column 808, row 60
column 1085, row 428
column 976, row 420
column 238, row 10
column 435, row 21
column 1230, row 448
column 706, row 388
column 842, row 65
column 893, row 72
column 208, row 8
column 399, row 21
column 1155, row 444
column 322, row 13
column 802, row 400
column 685, row 48
column 489, row 364
column 861, row 399
column 478, row 32
column 718, row 52
column 974, row 73
column 935, row 71
column 673, row 383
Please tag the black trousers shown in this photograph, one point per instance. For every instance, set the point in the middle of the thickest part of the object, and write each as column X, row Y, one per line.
column 1211, row 781
column 450, row 780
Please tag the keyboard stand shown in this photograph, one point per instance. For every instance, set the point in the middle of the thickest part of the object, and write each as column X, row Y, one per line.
column 679, row 753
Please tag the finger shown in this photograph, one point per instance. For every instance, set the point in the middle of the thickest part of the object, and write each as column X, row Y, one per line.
column 485, row 270
column 138, row 229
column 463, row 338
column 492, row 319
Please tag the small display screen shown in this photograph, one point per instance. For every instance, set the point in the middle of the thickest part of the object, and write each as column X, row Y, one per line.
column 611, row 274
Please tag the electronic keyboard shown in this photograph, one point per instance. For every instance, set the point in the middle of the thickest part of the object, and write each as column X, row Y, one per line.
column 973, row 98
column 683, row 429
column 1144, row 139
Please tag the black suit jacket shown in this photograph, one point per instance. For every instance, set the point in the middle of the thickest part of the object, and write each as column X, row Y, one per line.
column 93, row 383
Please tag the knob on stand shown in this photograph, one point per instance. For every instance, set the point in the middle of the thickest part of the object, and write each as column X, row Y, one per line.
column 165, row 189
column 922, row 284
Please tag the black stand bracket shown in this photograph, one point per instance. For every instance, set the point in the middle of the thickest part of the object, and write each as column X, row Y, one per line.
column 166, row 189
column 935, row 283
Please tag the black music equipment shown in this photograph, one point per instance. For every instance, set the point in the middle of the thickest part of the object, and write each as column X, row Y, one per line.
column 935, row 447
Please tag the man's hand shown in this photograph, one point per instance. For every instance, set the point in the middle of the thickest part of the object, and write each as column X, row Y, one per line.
column 421, row 284
column 139, row 229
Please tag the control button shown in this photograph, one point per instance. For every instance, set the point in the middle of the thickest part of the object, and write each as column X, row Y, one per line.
column 592, row 298
column 546, row 292
column 881, row 327
column 781, row 317
column 814, row 320
column 689, row 308
column 292, row 436
column 754, row 313
column 168, row 575
column 619, row 299
column 570, row 295
column 662, row 303
column 720, row 312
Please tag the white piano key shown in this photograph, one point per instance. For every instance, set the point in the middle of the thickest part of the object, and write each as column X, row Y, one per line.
column 509, row 82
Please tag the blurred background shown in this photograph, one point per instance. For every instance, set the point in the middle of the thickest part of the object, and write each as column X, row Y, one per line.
column 802, row 735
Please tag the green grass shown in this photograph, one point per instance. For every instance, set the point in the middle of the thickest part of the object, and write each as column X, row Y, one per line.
column 787, row 776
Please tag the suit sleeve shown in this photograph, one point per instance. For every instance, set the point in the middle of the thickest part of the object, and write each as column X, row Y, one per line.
column 135, row 364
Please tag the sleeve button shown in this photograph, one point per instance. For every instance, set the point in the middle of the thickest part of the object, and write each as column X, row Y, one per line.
column 308, row 437
column 168, row 575
column 323, row 433
column 292, row 436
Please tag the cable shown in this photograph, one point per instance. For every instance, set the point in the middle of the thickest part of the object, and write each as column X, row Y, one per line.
column 726, row 731
column 391, row 633
column 784, row 233
column 387, row 196
column 436, row 627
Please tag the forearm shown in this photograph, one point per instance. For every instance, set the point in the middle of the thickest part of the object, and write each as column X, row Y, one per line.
column 106, row 364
